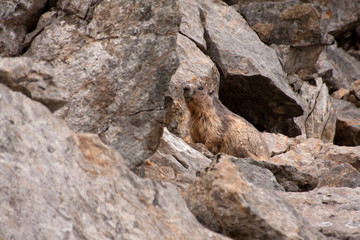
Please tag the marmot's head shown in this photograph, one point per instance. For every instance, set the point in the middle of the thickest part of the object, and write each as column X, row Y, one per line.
column 198, row 98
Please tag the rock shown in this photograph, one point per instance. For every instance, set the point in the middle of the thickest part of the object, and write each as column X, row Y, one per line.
column 338, row 17
column 118, row 67
column 340, row 154
column 191, row 22
column 355, row 54
column 290, row 178
column 354, row 93
column 347, row 123
column 340, row 94
column 337, row 68
column 287, row 176
column 299, row 154
column 340, row 175
column 175, row 162
column 224, row 201
column 56, row 185
column 250, row 69
column 255, row 174
column 195, row 67
column 333, row 211
column 286, row 22
column 319, row 118
column 203, row 150
column 78, row 7
column 278, row 143
column 300, row 60
column 316, row 161
column 311, row 149
column 16, row 19
column 34, row 79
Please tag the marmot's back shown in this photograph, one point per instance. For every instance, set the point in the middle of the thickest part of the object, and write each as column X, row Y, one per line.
column 219, row 129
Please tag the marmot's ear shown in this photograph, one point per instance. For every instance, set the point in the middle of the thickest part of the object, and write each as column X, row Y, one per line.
column 211, row 92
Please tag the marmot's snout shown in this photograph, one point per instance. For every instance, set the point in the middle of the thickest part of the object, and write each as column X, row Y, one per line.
column 187, row 91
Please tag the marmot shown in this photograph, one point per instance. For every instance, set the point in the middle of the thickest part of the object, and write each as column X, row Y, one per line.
column 212, row 124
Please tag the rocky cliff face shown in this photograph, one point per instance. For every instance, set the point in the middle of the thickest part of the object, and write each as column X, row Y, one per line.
column 93, row 124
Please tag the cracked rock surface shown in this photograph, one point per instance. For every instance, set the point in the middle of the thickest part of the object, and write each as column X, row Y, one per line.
column 117, row 66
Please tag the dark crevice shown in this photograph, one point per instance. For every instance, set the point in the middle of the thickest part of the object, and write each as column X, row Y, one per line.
column 183, row 163
column 197, row 44
column 31, row 28
column 349, row 38
column 145, row 110
column 155, row 201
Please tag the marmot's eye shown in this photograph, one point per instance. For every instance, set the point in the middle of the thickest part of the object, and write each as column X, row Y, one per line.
column 200, row 88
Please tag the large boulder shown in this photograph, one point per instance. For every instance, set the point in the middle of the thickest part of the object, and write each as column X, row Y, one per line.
column 35, row 79
column 224, row 201
column 288, row 22
column 254, row 84
column 117, row 64
column 333, row 211
column 57, row 185
column 338, row 16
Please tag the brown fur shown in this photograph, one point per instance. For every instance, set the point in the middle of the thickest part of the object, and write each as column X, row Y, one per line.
column 212, row 124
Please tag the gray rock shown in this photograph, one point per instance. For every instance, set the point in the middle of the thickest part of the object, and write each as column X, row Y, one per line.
column 328, row 164
column 257, row 175
column 192, row 22
column 290, row 178
column 46, row 19
column 117, row 67
column 16, row 19
column 78, row 7
column 56, row 185
column 224, row 201
column 175, row 162
column 319, row 118
column 287, row 22
column 278, row 143
column 338, row 16
column 34, row 79
column 282, row 177
column 333, row 211
column 337, row 68
column 340, row 154
column 300, row 60
column 340, row 175
column 354, row 93
column 307, row 151
column 250, row 69
column 347, row 127
column 195, row 67
column 355, row 54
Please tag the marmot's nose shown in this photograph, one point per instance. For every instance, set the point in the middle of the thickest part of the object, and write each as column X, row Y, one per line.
column 187, row 88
